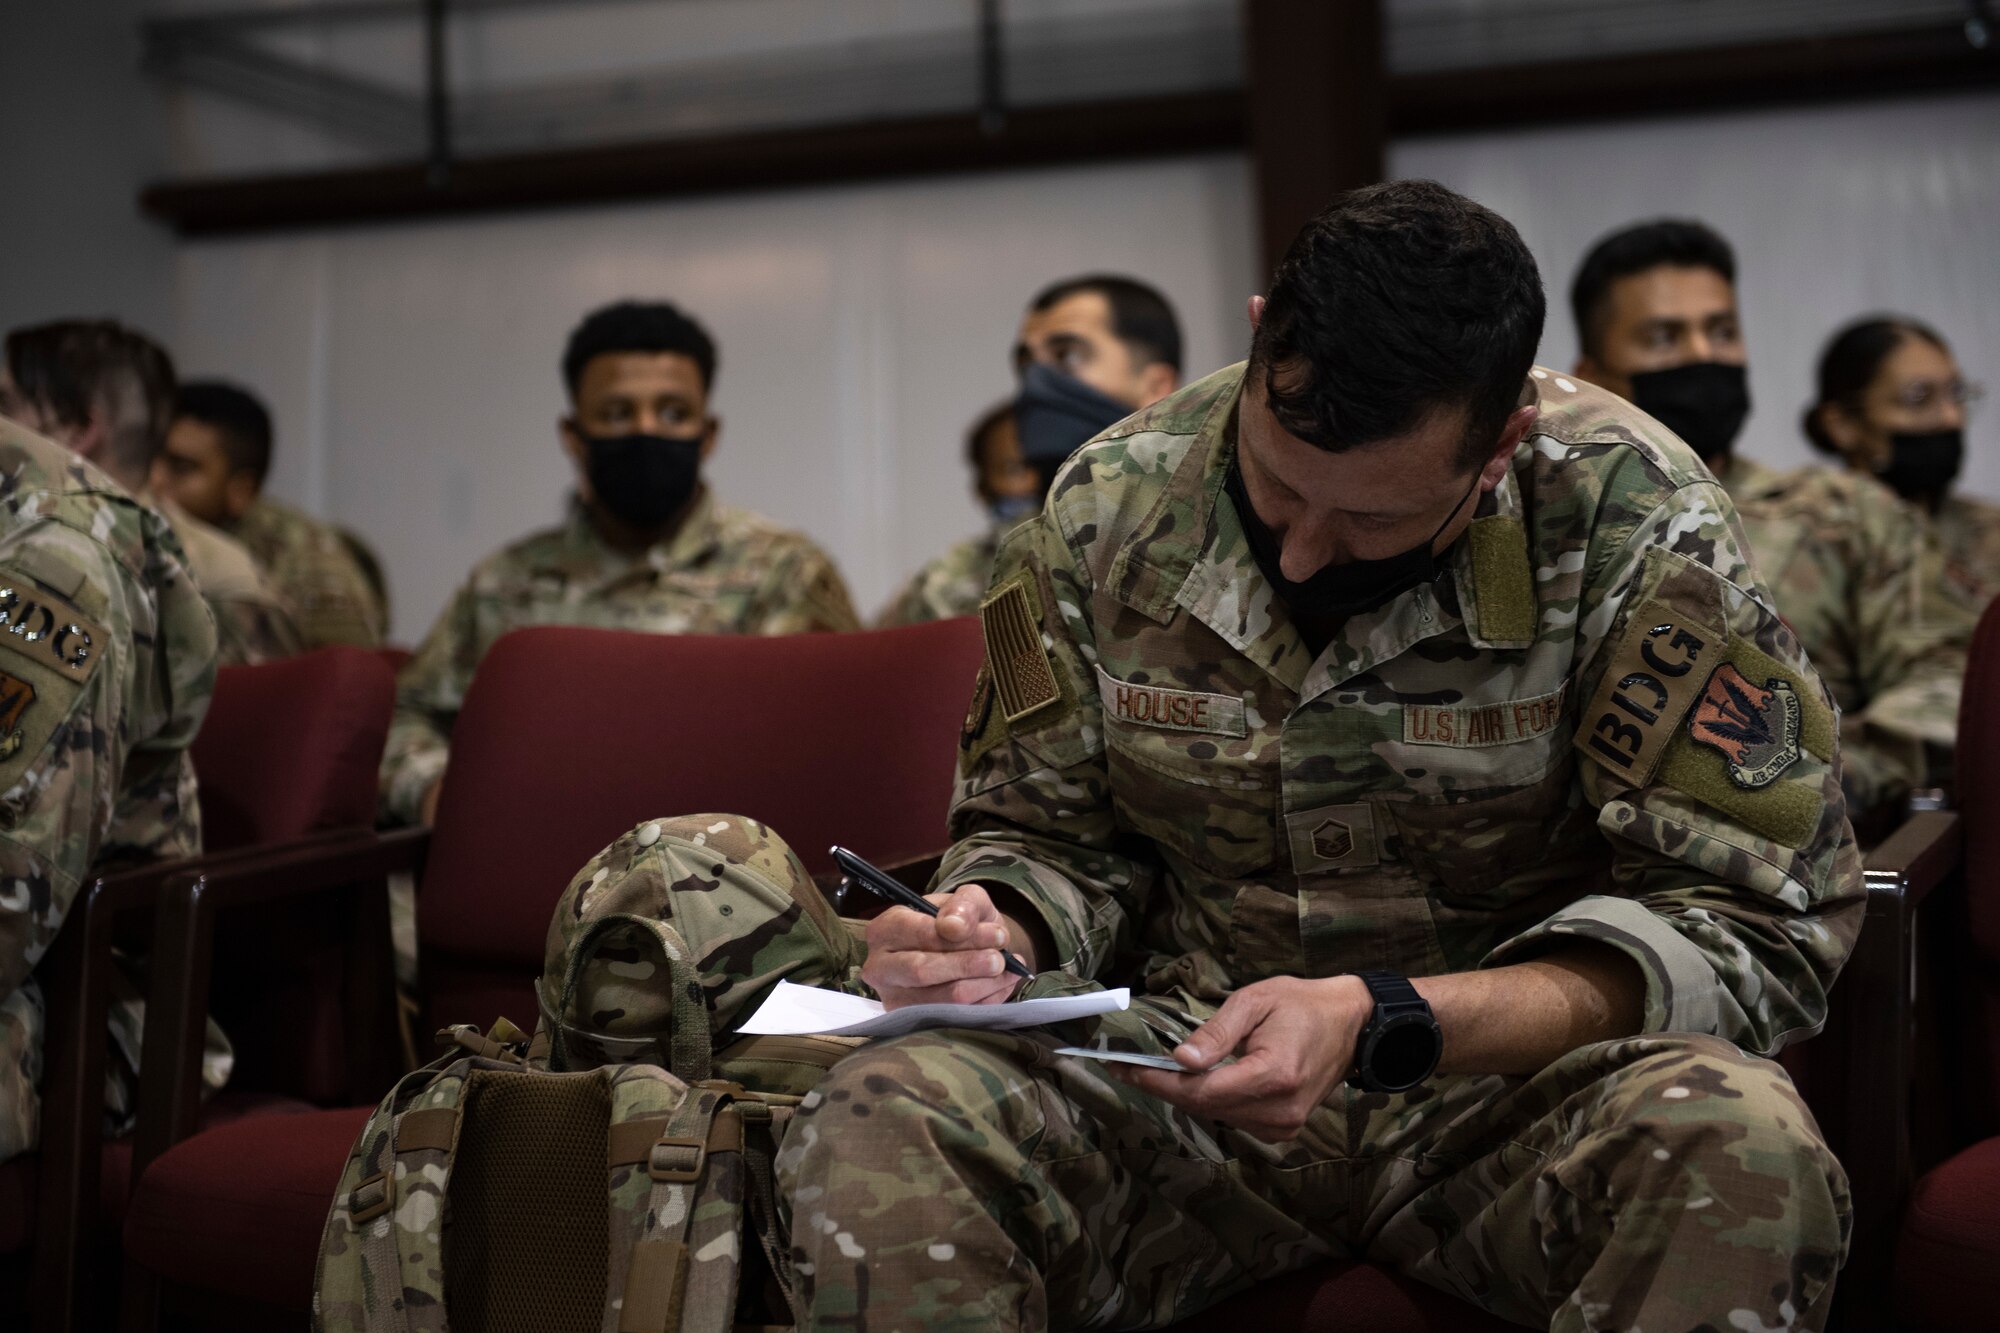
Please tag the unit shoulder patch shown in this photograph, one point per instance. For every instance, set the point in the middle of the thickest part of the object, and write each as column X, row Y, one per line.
column 1756, row 728
column 1024, row 679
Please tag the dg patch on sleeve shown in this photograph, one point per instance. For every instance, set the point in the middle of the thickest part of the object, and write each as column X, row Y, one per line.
column 48, row 651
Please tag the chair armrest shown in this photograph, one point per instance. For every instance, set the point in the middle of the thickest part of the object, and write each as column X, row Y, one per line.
column 1917, row 857
column 76, row 980
column 1872, row 1057
column 355, row 862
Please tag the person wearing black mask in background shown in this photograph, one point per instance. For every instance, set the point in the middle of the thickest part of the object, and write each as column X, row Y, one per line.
column 1892, row 403
column 646, row 546
column 1091, row 351
column 1657, row 323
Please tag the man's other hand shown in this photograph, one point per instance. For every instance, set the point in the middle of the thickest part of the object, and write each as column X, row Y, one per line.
column 954, row 957
column 1294, row 1043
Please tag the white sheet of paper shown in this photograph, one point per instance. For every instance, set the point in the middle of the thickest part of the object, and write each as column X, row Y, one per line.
column 801, row 1010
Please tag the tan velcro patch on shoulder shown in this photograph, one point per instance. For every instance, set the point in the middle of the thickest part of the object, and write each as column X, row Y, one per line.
column 48, row 631
column 1023, row 677
column 1655, row 676
column 48, row 651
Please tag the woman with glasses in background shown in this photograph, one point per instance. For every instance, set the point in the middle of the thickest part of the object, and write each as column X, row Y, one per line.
column 1893, row 404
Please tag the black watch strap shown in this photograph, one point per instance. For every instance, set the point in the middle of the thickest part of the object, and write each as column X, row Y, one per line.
column 1392, row 991
column 1396, row 1004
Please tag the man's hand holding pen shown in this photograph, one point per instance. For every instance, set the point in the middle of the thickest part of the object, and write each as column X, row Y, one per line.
column 955, row 957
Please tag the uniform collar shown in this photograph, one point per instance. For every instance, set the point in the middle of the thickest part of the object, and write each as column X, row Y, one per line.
column 1189, row 553
column 697, row 537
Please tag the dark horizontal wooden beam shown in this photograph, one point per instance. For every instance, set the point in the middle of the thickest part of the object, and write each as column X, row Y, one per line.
column 830, row 155
column 1933, row 58
column 1928, row 59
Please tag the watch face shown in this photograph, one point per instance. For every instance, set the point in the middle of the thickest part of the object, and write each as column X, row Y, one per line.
column 1404, row 1052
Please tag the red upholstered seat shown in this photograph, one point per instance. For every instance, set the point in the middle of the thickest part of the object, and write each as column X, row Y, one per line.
column 292, row 747
column 1338, row 1298
column 286, row 750
column 1948, row 1260
column 1948, row 1256
column 569, row 737
column 239, row 1209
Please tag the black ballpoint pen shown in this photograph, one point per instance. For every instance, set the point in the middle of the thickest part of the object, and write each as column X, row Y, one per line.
column 882, row 885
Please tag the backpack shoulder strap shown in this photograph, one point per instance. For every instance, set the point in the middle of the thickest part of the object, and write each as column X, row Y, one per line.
column 682, row 1270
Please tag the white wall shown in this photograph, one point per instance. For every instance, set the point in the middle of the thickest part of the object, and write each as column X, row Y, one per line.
column 413, row 369
column 1834, row 213
column 78, row 135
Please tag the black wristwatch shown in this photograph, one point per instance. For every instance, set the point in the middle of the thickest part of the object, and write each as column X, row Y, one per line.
column 1400, row 1043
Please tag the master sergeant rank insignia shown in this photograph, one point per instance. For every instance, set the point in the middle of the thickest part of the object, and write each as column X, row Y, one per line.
column 1755, row 728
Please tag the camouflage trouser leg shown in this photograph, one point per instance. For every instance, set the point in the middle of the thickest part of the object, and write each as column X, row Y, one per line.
column 946, row 1181
column 975, row 1181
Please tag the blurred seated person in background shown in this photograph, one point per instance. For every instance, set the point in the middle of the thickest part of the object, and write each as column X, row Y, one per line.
column 217, row 455
column 1091, row 351
column 646, row 547
column 1892, row 403
column 107, row 393
column 1657, row 323
column 105, row 670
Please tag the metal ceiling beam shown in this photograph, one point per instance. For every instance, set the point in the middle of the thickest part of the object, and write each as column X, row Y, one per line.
column 1929, row 59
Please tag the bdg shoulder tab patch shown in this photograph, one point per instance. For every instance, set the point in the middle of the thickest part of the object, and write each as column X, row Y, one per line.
column 1171, row 710
column 47, row 631
column 1024, row 679
column 1655, row 676
column 48, row 652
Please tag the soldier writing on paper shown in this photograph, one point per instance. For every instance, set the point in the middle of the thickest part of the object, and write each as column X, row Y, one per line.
column 1407, row 722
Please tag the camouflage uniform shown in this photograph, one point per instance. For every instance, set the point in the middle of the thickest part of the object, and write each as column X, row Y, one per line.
column 253, row 622
column 317, row 574
column 1845, row 560
column 1592, row 727
column 725, row 571
column 107, row 656
column 951, row 585
column 1967, row 534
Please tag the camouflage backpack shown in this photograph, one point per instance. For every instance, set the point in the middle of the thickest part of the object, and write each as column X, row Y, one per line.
column 613, row 1175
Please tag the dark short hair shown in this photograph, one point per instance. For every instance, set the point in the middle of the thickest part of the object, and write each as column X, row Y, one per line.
column 979, row 437
column 238, row 419
column 1850, row 363
column 69, row 366
column 637, row 326
column 1398, row 301
column 1640, row 248
column 1140, row 315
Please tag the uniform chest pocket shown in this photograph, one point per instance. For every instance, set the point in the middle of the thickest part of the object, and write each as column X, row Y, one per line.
column 1490, row 846
column 1207, row 797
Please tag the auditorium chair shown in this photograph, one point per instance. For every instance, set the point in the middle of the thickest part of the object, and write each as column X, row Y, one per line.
column 1947, row 1258
column 285, row 757
column 567, row 739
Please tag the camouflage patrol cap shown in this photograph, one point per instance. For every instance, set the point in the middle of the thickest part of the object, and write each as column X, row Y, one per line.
column 670, row 937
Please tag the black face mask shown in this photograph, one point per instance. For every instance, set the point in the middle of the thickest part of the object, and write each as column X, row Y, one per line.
column 641, row 479
column 1340, row 590
column 1923, row 467
column 1054, row 414
column 1704, row 403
